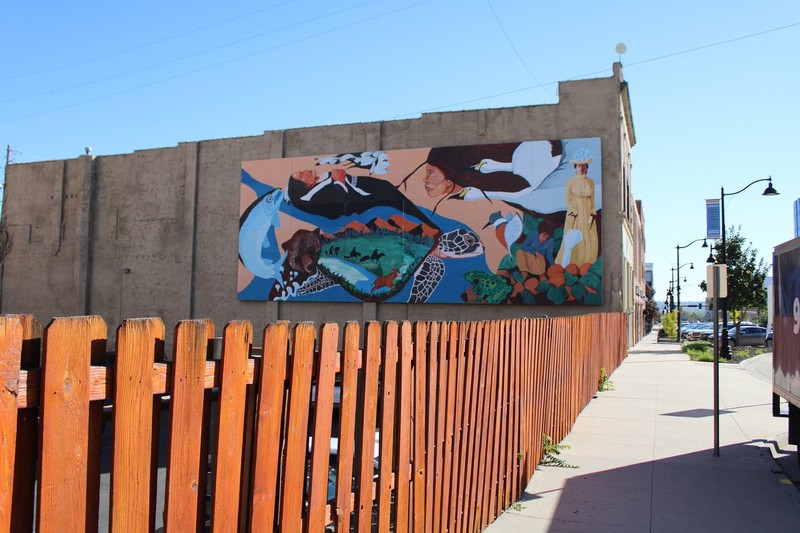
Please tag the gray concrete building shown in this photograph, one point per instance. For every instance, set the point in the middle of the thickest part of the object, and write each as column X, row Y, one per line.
column 155, row 232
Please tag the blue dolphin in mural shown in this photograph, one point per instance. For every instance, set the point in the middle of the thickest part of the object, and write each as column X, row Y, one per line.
column 258, row 246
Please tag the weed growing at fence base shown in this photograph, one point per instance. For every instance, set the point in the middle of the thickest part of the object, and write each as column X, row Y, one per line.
column 552, row 451
column 605, row 384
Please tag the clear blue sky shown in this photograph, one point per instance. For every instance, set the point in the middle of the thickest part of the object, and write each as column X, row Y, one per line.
column 714, row 85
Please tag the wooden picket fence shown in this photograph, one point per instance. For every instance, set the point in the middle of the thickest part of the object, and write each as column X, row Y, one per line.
column 456, row 411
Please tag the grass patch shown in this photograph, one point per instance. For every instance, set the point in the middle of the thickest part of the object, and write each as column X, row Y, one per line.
column 699, row 351
column 704, row 351
column 740, row 353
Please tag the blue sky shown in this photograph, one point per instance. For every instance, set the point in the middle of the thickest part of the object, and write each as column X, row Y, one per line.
column 713, row 85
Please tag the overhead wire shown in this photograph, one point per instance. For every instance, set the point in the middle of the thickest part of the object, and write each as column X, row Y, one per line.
column 513, row 47
column 596, row 72
column 368, row 19
column 184, row 57
column 147, row 44
column 214, row 65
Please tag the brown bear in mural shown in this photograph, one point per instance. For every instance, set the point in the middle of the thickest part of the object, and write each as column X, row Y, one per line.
column 302, row 252
column 302, row 257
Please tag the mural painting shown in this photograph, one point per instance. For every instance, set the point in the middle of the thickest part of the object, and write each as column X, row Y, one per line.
column 511, row 223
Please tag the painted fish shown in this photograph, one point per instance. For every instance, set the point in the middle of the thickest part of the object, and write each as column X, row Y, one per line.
column 258, row 247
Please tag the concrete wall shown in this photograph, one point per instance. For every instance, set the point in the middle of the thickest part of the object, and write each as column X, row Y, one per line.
column 155, row 232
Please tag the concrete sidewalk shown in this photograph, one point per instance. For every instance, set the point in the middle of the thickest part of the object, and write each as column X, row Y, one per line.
column 646, row 461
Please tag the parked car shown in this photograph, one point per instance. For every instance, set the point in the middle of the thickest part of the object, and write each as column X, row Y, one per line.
column 692, row 331
column 768, row 341
column 708, row 333
column 748, row 336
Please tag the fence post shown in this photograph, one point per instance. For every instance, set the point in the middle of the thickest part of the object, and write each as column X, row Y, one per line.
column 69, row 457
column 271, row 385
column 237, row 340
column 131, row 472
column 19, row 349
column 183, row 493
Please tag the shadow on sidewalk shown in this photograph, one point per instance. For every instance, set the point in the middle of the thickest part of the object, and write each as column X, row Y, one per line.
column 741, row 490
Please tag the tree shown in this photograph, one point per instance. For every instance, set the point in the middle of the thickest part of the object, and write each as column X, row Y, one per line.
column 669, row 323
column 651, row 307
column 746, row 275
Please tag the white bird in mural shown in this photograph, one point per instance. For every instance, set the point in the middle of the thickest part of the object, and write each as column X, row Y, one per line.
column 508, row 228
column 544, row 201
column 533, row 160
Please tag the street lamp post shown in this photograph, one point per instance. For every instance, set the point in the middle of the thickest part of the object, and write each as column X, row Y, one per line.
column 678, row 249
column 769, row 191
column 678, row 297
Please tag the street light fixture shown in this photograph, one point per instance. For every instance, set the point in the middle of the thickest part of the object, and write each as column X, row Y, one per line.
column 678, row 249
column 769, row 191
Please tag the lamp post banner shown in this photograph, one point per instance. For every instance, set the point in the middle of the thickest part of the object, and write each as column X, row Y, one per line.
column 712, row 219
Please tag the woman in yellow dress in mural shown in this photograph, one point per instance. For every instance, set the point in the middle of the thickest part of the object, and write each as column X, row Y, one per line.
column 581, row 214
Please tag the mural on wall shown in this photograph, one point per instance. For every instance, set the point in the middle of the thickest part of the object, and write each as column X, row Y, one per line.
column 511, row 223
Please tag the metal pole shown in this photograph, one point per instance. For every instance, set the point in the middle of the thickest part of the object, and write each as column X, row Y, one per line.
column 716, row 361
column 678, row 253
column 726, row 350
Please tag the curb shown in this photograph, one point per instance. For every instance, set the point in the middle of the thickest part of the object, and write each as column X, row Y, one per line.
column 786, row 464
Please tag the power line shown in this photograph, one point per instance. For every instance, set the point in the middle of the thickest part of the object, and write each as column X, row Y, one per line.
column 187, row 56
column 596, row 72
column 433, row 109
column 514, row 48
column 145, row 45
column 214, row 65
column 712, row 45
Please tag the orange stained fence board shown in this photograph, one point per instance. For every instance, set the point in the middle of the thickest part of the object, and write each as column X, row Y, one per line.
column 420, row 423
column 369, row 406
column 133, row 429
column 272, row 383
column 182, row 501
column 347, row 425
column 323, row 415
column 237, row 340
column 65, row 464
column 387, row 406
column 405, row 438
column 19, row 348
column 297, row 426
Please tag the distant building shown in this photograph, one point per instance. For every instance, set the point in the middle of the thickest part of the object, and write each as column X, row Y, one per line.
column 797, row 218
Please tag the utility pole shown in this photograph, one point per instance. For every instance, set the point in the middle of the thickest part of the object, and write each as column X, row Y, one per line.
column 3, row 183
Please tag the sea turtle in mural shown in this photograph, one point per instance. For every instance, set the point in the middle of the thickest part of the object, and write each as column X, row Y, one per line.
column 371, row 252
column 382, row 268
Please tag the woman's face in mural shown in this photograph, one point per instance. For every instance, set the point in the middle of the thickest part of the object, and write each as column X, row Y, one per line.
column 581, row 168
column 381, row 165
column 436, row 184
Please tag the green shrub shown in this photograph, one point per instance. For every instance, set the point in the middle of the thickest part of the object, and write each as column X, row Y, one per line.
column 697, row 346
column 669, row 323
column 703, row 357
column 699, row 351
